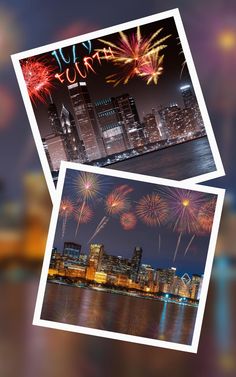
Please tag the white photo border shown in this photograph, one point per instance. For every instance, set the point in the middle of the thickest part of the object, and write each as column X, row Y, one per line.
column 114, row 335
column 101, row 33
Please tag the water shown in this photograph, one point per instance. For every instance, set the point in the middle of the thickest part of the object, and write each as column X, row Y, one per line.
column 178, row 162
column 119, row 313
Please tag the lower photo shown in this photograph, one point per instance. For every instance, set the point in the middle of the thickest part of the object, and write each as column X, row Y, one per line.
column 129, row 257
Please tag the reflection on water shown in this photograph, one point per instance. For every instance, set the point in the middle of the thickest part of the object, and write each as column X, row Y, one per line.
column 118, row 313
column 177, row 162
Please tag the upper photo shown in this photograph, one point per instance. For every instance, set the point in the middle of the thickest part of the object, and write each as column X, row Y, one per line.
column 126, row 97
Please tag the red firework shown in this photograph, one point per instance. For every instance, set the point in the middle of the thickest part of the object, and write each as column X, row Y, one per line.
column 152, row 209
column 206, row 215
column 83, row 214
column 116, row 201
column 38, row 77
column 151, row 68
column 128, row 221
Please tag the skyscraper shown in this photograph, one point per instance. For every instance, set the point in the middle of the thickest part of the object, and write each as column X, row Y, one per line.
column 113, row 131
column 74, row 146
column 130, row 118
column 86, row 122
column 71, row 249
column 151, row 129
column 190, row 103
column 54, row 147
column 136, row 262
column 54, row 119
column 95, row 256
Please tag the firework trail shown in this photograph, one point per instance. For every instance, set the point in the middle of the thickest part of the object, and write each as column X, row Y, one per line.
column 159, row 242
column 115, row 203
column 38, row 77
column 87, row 186
column 66, row 210
column 83, row 214
column 189, row 244
column 184, row 64
column 128, row 221
column 151, row 68
column 131, row 51
column 184, row 207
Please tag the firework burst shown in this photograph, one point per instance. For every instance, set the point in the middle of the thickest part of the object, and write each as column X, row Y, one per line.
column 131, row 51
column 38, row 78
column 184, row 207
column 65, row 211
column 206, row 215
column 87, row 185
column 115, row 203
column 128, row 221
column 151, row 68
column 152, row 209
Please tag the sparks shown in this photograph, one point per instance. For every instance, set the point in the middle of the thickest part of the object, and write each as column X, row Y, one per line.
column 151, row 68
column 83, row 213
column 87, row 185
column 38, row 78
column 128, row 221
column 206, row 215
column 131, row 53
column 152, row 209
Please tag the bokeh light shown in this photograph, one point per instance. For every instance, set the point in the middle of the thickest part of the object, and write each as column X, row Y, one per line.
column 7, row 107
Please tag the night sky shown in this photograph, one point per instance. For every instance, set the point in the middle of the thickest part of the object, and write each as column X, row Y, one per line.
column 118, row 241
column 146, row 96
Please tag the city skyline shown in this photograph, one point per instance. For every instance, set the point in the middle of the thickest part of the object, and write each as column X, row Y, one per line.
column 158, row 242
column 112, row 96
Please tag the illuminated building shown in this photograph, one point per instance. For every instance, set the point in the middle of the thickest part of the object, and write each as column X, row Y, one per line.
column 171, row 120
column 74, row 147
column 122, row 280
column 190, row 103
column 151, row 129
column 90, row 271
column 112, row 127
column 55, row 150
column 165, row 278
column 71, row 250
column 75, row 272
column 54, row 119
column 100, row 277
column 95, row 256
column 83, row 259
column 195, row 286
column 86, row 122
column 136, row 262
column 130, row 118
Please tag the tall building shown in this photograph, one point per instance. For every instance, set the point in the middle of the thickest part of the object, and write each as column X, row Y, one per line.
column 54, row 119
column 112, row 127
column 195, row 286
column 165, row 279
column 136, row 262
column 74, row 146
column 151, row 128
column 190, row 103
column 88, row 129
column 71, row 249
column 171, row 121
column 54, row 147
column 131, row 121
column 95, row 256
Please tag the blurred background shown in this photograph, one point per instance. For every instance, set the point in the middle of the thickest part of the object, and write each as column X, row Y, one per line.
column 25, row 206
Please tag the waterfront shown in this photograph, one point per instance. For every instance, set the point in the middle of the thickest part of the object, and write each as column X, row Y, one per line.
column 181, row 161
column 119, row 313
